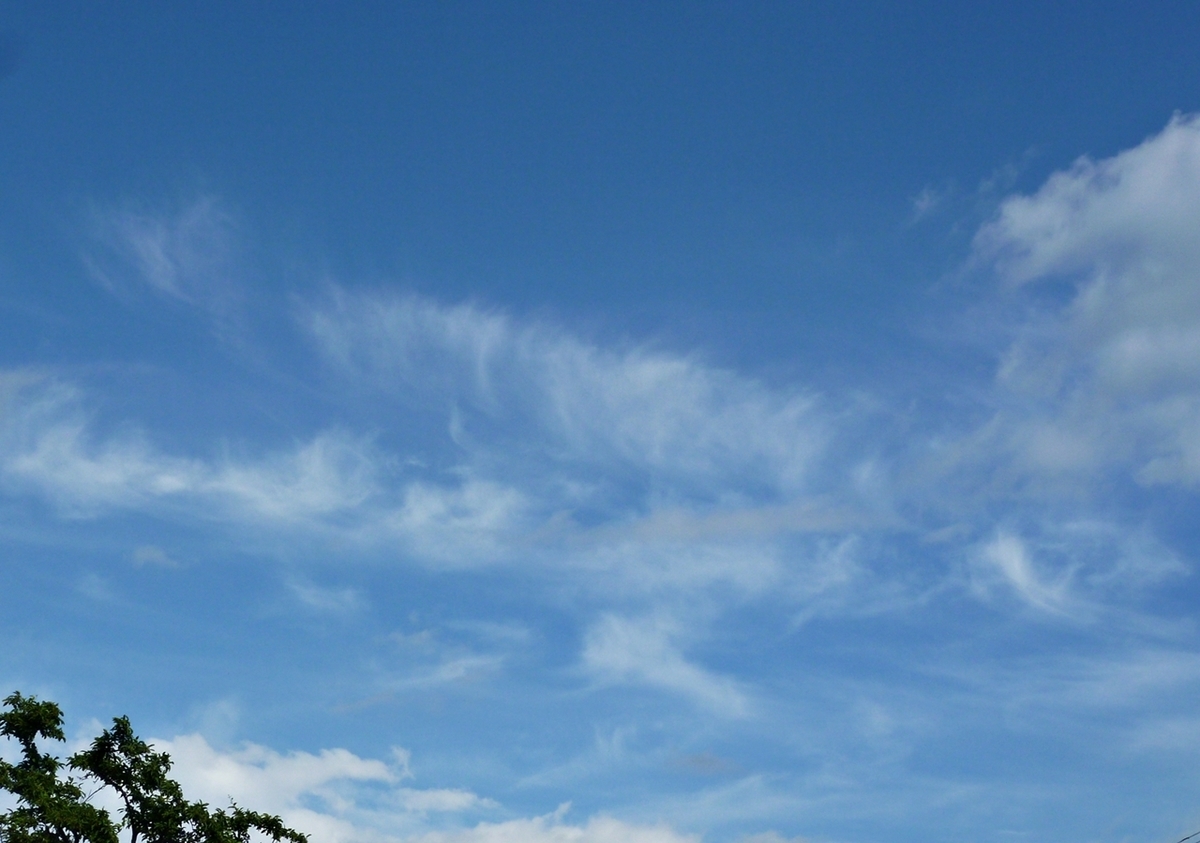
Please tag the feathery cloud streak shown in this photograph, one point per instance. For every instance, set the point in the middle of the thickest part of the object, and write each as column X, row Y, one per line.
column 685, row 428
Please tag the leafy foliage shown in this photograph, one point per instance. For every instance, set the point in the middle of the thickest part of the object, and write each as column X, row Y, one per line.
column 54, row 807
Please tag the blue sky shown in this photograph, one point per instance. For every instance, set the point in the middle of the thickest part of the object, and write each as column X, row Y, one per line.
column 581, row 423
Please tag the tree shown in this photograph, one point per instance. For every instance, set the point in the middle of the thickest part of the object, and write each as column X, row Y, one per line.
column 54, row 798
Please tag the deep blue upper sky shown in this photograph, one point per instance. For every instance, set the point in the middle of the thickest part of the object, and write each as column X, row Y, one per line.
column 580, row 156
column 754, row 421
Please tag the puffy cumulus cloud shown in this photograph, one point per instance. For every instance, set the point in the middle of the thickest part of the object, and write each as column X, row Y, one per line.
column 264, row 776
column 1134, row 212
column 645, row 651
column 331, row 795
column 1105, row 370
column 337, row 796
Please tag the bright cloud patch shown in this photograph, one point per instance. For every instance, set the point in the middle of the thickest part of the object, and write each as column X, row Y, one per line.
column 644, row 652
column 332, row 795
column 48, row 445
column 1009, row 557
column 339, row 797
column 1111, row 378
column 550, row 830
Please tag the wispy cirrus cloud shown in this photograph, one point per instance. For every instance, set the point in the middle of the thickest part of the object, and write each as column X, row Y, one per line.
column 654, row 469
column 1007, row 556
column 650, row 468
column 658, row 501
column 49, row 445
column 1073, row 569
column 646, row 651
column 1095, row 399
column 658, row 468
column 187, row 255
column 650, row 417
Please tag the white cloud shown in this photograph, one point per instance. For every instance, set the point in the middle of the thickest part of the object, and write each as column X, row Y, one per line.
column 185, row 255
column 1073, row 569
column 462, row 668
column 46, row 442
column 644, row 651
column 648, row 469
column 345, row 485
column 288, row 785
column 1008, row 556
column 325, row 599
column 1135, row 212
column 1109, row 376
column 458, row 525
column 429, row 658
column 153, row 556
column 685, row 474
column 262, row 776
column 332, row 795
column 550, row 830
column 442, row 800
column 928, row 201
column 339, row 797
column 333, row 471
column 694, row 428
